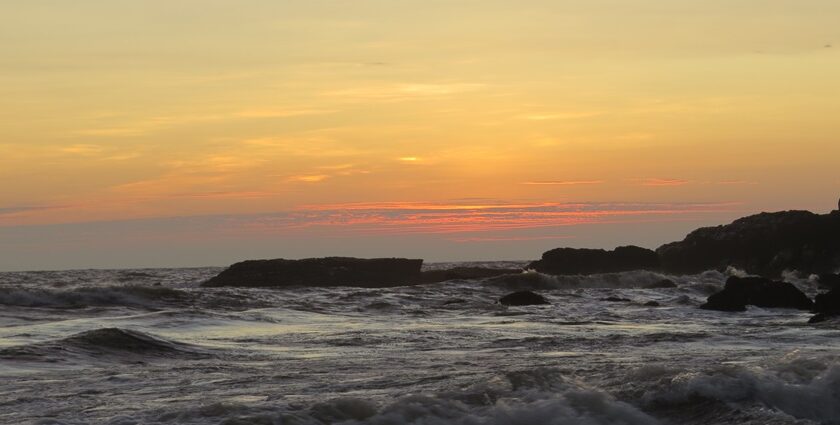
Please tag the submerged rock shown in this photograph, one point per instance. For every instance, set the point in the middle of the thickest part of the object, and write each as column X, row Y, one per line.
column 616, row 300
column 562, row 261
column 760, row 292
column 523, row 298
column 652, row 304
column 330, row 271
column 765, row 244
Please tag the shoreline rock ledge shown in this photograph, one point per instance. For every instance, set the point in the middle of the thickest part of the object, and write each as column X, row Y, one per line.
column 343, row 271
column 570, row 261
column 329, row 271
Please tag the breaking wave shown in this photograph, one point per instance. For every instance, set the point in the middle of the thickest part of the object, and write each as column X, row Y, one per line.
column 518, row 398
column 639, row 279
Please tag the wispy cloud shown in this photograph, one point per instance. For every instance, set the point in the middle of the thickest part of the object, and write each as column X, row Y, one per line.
column 471, row 239
column 141, row 126
column 83, row 149
column 663, row 182
column 308, row 178
column 403, row 92
column 559, row 116
column 562, row 182
column 470, row 219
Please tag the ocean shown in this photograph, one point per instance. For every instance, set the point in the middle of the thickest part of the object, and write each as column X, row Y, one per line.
column 153, row 347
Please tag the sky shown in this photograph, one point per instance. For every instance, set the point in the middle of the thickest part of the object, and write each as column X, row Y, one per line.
column 204, row 132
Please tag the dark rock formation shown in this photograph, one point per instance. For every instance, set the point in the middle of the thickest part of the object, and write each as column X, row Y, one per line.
column 652, row 304
column 523, row 298
column 765, row 244
column 760, row 292
column 463, row 273
column 588, row 261
column 330, row 271
column 827, row 306
column 664, row 283
column 830, row 281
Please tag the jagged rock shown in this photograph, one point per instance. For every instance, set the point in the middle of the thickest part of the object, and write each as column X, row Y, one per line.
column 764, row 244
column 664, row 283
column 562, row 261
column 827, row 306
column 760, row 292
column 523, row 298
column 330, row 271
column 830, row 281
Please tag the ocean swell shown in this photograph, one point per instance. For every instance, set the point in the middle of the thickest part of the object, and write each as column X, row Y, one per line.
column 81, row 297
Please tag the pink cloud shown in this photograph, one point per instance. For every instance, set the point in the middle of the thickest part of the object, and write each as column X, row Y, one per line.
column 562, row 182
column 393, row 218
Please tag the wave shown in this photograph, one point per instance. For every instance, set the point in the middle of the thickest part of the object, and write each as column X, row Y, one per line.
column 805, row 389
column 91, row 296
column 106, row 342
column 639, row 279
column 540, row 396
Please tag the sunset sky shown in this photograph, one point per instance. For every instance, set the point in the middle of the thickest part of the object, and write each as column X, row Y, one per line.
column 203, row 132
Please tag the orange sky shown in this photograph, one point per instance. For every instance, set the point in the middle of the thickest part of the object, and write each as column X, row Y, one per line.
column 481, row 127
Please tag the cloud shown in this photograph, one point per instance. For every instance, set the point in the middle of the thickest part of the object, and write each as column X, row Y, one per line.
column 470, row 219
column 403, row 92
column 663, row 182
column 147, row 125
column 308, row 178
column 562, row 182
column 471, row 239
column 82, row 149
column 559, row 116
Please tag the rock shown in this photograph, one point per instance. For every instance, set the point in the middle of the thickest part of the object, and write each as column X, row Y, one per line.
column 828, row 302
column 758, row 291
column 562, row 261
column 652, row 304
column 616, row 300
column 664, row 283
column 523, row 298
column 463, row 273
column 827, row 306
column 830, row 281
column 765, row 244
column 330, row 271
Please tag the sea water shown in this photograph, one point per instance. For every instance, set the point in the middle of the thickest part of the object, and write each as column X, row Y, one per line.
column 153, row 347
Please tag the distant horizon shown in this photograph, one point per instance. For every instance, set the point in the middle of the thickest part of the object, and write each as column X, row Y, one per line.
column 265, row 252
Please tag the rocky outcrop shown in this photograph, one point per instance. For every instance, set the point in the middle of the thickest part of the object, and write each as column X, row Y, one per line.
column 765, row 244
column 343, row 271
column 330, row 271
column 523, row 298
column 564, row 261
column 829, row 281
column 760, row 292
column 826, row 306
